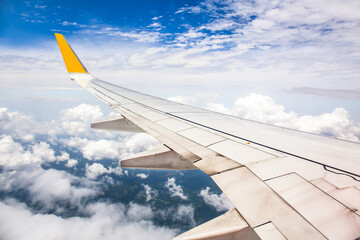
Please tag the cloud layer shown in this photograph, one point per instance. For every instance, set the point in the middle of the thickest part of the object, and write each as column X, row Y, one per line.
column 337, row 123
column 40, row 200
column 106, row 221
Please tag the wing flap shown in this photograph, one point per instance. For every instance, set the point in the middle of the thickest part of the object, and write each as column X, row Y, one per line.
column 158, row 158
column 268, row 231
column 330, row 217
column 258, row 204
column 116, row 124
column 225, row 227
column 349, row 196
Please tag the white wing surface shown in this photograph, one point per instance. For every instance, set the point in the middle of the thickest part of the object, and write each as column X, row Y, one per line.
column 283, row 183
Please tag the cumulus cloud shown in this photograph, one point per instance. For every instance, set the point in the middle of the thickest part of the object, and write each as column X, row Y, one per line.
column 219, row 202
column 19, row 126
column 175, row 190
column 50, row 193
column 13, row 154
column 186, row 213
column 95, row 149
column 114, row 149
column 139, row 212
column 183, row 214
column 97, row 169
column 106, row 221
column 139, row 143
column 77, row 120
column 142, row 175
column 337, row 123
column 71, row 163
column 149, row 193
column 73, row 121
column 47, row 187
column 198, row 99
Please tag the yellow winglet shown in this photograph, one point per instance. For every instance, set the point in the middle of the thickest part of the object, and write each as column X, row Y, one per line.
column 72, row 62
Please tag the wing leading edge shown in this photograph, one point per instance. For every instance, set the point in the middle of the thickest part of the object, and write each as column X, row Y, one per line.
column 283, row 183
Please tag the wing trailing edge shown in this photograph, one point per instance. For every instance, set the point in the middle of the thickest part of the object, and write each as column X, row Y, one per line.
column 228, row 226
column 117, row 124
column 161, row 158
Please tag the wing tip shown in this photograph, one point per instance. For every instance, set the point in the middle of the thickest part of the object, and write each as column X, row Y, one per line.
column 72, row 62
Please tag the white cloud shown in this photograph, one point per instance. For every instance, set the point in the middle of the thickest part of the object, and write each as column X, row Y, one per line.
column 198, row 99
column 141, row 36
column 106, row 221
column 74, row 122
column 114, row 149
column 264, row 109
column 40, row 6
column 191, row 9
column 96, row 149
column 77, row 120
column 97, row 169
column 219, row 25
column 138, row 212
column 66, row 23
column 150, row 194
column 138, row 143
column 175, row 190
column 156, row 25
column 48, row 186
column 219, row 202
column 142, row 175
column 156, row 18
column 17, row 125
column 13, row 153
column 185, row 213
column 71, row 163
column 50, row 189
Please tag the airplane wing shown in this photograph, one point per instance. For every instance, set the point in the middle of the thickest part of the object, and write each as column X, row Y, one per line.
column 283, row 183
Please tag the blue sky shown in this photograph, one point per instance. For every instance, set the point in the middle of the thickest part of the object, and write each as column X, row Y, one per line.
column 36, row 20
